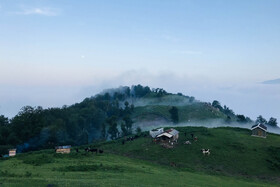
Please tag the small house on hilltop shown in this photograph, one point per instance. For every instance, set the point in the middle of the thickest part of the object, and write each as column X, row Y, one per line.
column 170, row 135
column 63, row 149
column 174, row 133
column 155, row 132
column 259, row 130
column 12, row 152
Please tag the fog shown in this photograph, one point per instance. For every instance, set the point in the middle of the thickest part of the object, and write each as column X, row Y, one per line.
column 248, row 97
column 146, row 126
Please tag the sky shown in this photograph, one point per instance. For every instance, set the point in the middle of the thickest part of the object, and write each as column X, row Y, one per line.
column 55, row 53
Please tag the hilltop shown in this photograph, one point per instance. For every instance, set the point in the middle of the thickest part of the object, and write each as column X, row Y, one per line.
column 109, row 115
column 237, row 159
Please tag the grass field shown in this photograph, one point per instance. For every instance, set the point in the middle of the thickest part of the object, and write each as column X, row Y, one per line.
column 193, row 112
column 236, row 159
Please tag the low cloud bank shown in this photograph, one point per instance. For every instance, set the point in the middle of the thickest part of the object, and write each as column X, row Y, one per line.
column 146, row 126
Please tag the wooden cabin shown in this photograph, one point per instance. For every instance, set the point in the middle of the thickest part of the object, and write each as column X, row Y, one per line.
column 12, row 152
column 63, row 149
column 259, row 130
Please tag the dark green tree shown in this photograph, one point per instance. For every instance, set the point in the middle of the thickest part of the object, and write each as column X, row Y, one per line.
column 241, row 118
column 128, row 124
column 138, row 130
column 174, row 114
column 261, row 120
column 113, row 130
column 272, row 122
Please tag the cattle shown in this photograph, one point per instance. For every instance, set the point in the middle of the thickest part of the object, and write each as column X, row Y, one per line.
column 101, row 151
column 205, row 151
column 88, row 149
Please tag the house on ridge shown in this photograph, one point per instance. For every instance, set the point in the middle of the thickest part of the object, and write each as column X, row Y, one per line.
column 259, row 130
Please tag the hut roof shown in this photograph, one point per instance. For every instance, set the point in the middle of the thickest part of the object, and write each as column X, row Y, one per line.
column 165, row 134
column 156, row 132
column 261, row 126
column 63, row 147
column 173, row 132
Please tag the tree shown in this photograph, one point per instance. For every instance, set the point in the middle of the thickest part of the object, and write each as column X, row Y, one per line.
column 138, row 130
column 103, row 131
column 113, row 130
column 191, row 99
column 3, row 121
column 272, row 122
column 216, row 104
column 174, row 114
column 261, row 120
column 241, row 118
column 128, row 124
column 124, row 130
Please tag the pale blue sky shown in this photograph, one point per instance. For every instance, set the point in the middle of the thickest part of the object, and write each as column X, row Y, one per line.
column 57, row 52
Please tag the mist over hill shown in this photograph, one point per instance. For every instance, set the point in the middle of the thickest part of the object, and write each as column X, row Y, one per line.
column 274, row 81
column 112, row 114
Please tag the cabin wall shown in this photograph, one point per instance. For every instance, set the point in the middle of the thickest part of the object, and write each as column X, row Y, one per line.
column 63, row 150
column 12, row 153
column 258, row 132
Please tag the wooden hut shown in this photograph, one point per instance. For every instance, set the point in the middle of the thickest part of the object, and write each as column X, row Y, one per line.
column 12, row 152
column 63, row 149
column 259, row 130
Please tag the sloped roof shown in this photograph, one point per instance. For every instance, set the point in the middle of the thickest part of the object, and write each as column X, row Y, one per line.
column 63, row 147
column 173, row 132
column 165, row 134
column 156, row 132
column 261, row 126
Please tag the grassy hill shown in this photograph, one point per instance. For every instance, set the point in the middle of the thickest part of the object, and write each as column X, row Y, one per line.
column 237, row 159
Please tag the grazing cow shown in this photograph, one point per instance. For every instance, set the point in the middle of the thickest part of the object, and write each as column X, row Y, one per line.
column 88, row 149
column 101, row 151
column 205, row 151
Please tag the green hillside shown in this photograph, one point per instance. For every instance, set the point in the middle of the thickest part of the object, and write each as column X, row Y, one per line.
column 237, row 159
column 194, row 112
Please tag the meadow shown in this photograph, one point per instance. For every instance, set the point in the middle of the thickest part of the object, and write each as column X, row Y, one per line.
column 237, row 159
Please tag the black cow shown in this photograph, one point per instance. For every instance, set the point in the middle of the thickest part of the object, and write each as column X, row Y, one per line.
column 88, row 149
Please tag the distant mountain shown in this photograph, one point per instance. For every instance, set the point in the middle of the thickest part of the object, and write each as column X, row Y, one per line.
column 275, row 81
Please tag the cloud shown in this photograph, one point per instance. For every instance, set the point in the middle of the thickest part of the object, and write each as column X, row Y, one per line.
column 275, row 81
column 44, row 11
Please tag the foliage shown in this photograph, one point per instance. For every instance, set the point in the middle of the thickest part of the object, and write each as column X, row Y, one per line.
column 174, row 114
column 272, row 122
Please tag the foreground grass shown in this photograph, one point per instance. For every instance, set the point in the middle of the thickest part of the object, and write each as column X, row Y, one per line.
column 78, row 169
